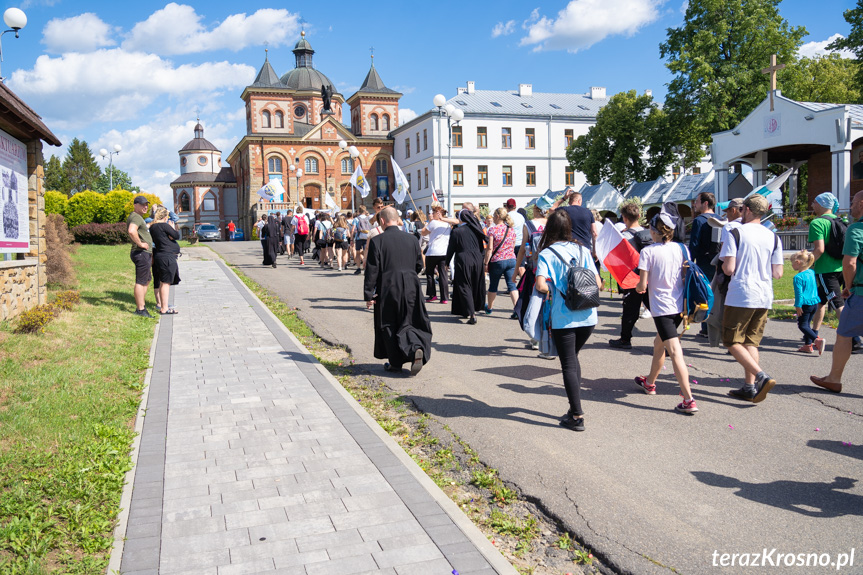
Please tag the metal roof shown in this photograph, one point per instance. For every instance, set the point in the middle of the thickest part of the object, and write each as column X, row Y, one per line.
column 374, row 84
column 603, row 196
column 305, row 78
column 644, row 190
column 199, row 144
column 688, row 186
column 539, row 104
column 855, row 110
column 225, row 176
column 267, row 77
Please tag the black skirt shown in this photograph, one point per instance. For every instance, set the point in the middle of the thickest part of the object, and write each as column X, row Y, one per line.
column 165, row 269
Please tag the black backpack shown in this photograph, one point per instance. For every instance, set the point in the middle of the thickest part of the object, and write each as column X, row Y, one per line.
column 836, row 240
column 639, row 240
column 581, row 290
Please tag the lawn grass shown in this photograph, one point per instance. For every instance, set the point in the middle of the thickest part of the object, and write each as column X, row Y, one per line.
column 68, row 399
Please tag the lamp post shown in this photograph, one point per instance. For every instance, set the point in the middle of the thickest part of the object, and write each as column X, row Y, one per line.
column 354, row 153
column 454, row 116
column 110, row 155
column 15, row 19
column 299, row 174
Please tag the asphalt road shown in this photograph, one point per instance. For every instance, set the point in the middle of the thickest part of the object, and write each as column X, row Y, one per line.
column 648, row 489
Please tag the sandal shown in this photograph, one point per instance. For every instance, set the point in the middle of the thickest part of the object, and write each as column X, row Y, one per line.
column 171, row 311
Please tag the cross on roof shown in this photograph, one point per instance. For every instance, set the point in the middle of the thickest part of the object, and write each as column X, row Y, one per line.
column 372, row 50
column 772, row 69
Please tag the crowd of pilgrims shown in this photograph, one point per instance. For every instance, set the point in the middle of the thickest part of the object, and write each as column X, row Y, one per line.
column 468, row 259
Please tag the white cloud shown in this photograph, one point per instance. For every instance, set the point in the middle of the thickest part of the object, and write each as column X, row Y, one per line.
column 112, row 85
column 177, row 29
column 501, row 29
column 405, row 89
column 583, row 23
column 406, row 115
column 83, row 33
column 814, row 49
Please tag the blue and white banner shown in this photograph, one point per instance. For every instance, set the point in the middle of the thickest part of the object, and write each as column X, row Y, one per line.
column 358, row 180
column 272, row 191
column 402, row 185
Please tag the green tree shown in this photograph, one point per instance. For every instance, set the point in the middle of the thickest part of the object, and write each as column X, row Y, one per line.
column 113, row 206
column 82, row 208
column 854, row 40
column 828, row 78
column 55, row 178
column 80, row 167
column 55, row 202
column 630, row 142
column 121, row 181
column 716, row 58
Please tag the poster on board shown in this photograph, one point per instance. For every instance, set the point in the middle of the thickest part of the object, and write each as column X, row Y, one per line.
column 857, row 163
column 14, row 199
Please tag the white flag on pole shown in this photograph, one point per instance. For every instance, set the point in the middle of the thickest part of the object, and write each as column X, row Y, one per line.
column 402, row 185
column 358, row 180
column 328, row 200
column 272, row 191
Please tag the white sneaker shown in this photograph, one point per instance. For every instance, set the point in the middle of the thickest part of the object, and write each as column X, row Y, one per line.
column 546, row 356
column 534, row 344
column 645, row 313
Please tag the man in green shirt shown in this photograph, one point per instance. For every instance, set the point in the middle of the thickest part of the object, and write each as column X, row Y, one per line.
column 851, row 320
column 142, row 252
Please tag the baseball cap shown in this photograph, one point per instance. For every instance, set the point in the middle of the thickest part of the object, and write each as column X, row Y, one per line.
column 757, row 204
column 510, row 203
column 735, row 203
column 141, row 200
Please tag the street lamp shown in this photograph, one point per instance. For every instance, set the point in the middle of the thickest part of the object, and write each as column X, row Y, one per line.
column 299, row 174
column 454, row 116
column 110, row 155
column 15, row 19
column 354, row 153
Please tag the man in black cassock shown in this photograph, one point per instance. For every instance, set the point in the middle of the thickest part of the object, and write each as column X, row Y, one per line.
column 402, row 327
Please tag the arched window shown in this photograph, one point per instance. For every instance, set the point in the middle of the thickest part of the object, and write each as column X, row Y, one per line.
column 374, row 122
column 275, row 165
column 381, row 166
column 185, row 204
column 311, row 166
column 347, row 165
column 265, row 119
column 386, row 123
column 209, row 203
column 280, row 120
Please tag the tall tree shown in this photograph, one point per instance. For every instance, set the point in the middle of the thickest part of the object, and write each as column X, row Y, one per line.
column 829, row 78
column 121, row 181
column 716, row 58
column 80, row 167
column 55, row 177
column 630, row 142
column 854, row 40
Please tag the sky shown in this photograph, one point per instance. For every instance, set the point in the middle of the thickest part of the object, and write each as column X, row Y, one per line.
column 138, row 74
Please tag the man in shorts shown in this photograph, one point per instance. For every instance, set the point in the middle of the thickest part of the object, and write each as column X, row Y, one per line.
column 753, row 263
column 142, row 252
column 362, row 226
column 851, row 318
column 288, row 231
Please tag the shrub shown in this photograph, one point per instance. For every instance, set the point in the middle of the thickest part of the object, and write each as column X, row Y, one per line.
column 113, row 207
column 66, row 300
column 34, row 320
column 104, row 234
column 128, row 208
column 83, row 207
column 58, row 251
column 55, row 202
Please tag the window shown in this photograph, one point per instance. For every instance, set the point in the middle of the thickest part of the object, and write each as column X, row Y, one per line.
column 385, row 122
column 567, row 137
column 265, row 119
column 506, row 137
column 209, row 202
column 461, row 102
column 425, row 140
column 526, row 105
column 419, row 179
column 458, row 175
column 496, row 104
column 507, row 175
column 299, row 111
column 275, row 165
column 569, row 176
column 426, row 178
column 280, row 120
column 381, row 167
column 482, row 175
column 530, row 138
column 373, row 119
column 456, row 136
column 555, row 106
column 183, row 161
column 347, row 165
column 311, row 166
column 530, row 179
column 481, row 137
column 408, row 176
column 418, row 142
column 407, row 147
column 185, row 204
column 202, row 160
column 675, row 171
column 696, row 170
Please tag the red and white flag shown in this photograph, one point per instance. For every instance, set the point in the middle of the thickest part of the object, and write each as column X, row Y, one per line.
column 617, row 256
column 434, row 196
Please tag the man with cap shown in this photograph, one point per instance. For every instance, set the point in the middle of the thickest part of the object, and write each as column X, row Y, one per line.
column 733, row 210
column 142, row 252
column 752, row 256
column 828, row 270
column 517, row 222
column 851, row 320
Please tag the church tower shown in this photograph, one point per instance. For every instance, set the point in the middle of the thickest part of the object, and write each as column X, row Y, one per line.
column 374, row 107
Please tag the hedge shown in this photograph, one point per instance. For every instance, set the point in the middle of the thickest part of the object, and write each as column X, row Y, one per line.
column 105, row 234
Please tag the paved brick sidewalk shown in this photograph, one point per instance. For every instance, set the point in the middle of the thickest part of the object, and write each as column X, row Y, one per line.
column 253, row 460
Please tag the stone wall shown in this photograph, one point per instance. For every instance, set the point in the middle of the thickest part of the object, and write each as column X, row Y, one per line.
column 24, row 281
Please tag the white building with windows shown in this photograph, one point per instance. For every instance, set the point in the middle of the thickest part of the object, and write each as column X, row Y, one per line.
column 510, row 144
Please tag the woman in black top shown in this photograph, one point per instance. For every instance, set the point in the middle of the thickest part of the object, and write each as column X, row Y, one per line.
column 165, row 252
column 270, row 235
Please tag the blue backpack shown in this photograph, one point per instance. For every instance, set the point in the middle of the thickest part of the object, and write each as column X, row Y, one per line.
column 697, row 293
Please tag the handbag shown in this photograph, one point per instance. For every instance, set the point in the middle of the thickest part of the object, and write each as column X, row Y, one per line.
column 581, row 290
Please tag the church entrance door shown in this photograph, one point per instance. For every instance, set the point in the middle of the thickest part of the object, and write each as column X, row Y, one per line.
column 312, row 196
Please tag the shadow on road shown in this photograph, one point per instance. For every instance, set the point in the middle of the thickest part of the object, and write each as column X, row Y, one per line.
column 811, row 499
column 467, row 406
column 837, row 447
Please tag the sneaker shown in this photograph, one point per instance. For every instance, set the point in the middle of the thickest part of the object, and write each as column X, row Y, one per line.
column 686, row 406
column 534, row 344
column 645, row 313
column 743, row 393
column 417, row 363
column 818, row 345
column 487, row 310
column 764, row 384
column 444, row 301
column 546, row 356
column 431, row 299
column 358, row 272
column 701, row 334
column 143, row 313
column 805, row 348
column 573, row 423
column 513, row 316
column 619, row 344
column 649, row 388
column 855, row 347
